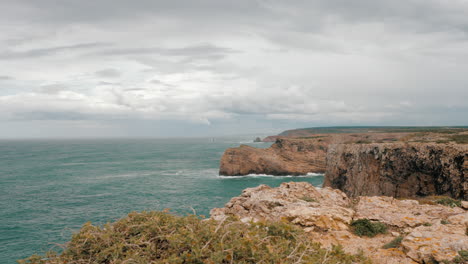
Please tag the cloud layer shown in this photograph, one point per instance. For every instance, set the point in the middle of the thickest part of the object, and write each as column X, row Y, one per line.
column 131, row 68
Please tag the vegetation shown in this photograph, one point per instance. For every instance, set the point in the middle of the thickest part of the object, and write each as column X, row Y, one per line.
column 444, row 222
column 309, row 199
column 462, row 258
column 363, row 142
column 395, row 243
column 443, row 200
column 460, row 139
column 365, row 227
column 449, row 202
column 159, row 237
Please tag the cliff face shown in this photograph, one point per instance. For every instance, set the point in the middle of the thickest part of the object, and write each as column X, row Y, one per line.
column 398, row 169
column 291, row 156
column 285, row 157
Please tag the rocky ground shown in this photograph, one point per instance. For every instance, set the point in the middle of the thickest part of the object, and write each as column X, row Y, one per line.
column 429, row 233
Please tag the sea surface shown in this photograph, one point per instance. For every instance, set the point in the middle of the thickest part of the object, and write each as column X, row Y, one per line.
column 49, row 188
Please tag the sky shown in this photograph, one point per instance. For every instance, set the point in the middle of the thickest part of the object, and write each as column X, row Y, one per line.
column 150, row 68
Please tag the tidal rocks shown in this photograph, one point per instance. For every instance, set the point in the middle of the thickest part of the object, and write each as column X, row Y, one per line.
column 429, row 232
column 398, row 169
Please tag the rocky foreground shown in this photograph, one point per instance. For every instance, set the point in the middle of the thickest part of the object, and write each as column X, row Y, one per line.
column 417, row 233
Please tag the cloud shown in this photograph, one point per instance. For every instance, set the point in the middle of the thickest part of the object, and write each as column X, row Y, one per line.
column 33, row 53
column 217, row 64
column 6, row 78
column 108, row 73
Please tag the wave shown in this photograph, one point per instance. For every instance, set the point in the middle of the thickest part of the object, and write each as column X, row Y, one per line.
column 308, row 175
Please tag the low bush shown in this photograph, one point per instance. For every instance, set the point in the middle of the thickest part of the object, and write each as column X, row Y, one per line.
column 460, row 139
column 462, row 258
column 365, row 227
column 309, row 199
column 449, row 202
column 395, row 243
column 159, row 237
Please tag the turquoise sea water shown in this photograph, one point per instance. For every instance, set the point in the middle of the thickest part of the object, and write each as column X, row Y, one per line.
column 50, row 188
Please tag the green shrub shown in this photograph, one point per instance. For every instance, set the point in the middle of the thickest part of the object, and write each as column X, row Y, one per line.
column 158, row 237
column 447, row 201
column 395, row 243
column 462, row 257
column 308, row 199
column 365, row 227
column 460, row 139
column 427, row 224
column 444, row 222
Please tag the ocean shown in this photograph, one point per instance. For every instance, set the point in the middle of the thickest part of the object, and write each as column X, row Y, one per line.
column 50, row 188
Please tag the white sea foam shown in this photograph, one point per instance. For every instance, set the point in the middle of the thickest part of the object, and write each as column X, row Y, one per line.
column 308, row 175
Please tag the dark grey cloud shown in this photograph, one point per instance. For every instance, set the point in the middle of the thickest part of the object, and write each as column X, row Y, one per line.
column 105, row 10
column 41, row 52
column 38, row 115
column 257, row 15
column 205, row 51
column 108, row 73
column 51, row 88
column 5, row 78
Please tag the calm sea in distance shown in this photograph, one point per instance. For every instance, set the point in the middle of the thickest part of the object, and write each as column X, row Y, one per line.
column 50, row 188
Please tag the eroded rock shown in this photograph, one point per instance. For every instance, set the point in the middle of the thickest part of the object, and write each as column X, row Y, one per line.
column 428, row 231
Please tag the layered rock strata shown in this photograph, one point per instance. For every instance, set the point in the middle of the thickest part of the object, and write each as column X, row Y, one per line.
column 292, row 156
column 285, row 157
column 429, row 232
column 398, row 169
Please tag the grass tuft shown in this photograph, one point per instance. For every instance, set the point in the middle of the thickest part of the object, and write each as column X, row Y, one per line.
column 447, row 201
column 395, row 243
column 365, row 227
column 309, row 199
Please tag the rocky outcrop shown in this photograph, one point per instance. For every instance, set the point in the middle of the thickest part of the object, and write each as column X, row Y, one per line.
column 285, row 157
column 291, row 156
column 398, row 169
column 429, row 232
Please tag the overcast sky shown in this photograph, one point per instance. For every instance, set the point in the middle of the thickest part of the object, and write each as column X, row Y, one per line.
column 123, row 68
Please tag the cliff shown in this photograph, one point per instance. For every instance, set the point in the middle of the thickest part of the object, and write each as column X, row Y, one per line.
column 409, row 231
column 285, row 157
column 398, row 169
column 292, row 156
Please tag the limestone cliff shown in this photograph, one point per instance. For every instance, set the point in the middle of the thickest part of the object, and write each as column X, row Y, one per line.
column 292, row 156
column 285, row 157
column 398, row 169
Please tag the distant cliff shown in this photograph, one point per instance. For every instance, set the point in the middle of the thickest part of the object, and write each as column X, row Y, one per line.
column 392, row 164
column 285, row 157
column 291, row 156
column 399, row 169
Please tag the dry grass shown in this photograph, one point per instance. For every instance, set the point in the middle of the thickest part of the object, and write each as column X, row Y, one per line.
column 159, row 237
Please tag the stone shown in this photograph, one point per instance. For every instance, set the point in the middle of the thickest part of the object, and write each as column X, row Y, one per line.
column 326, row 214
column 439, row 242
column 464, row 205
